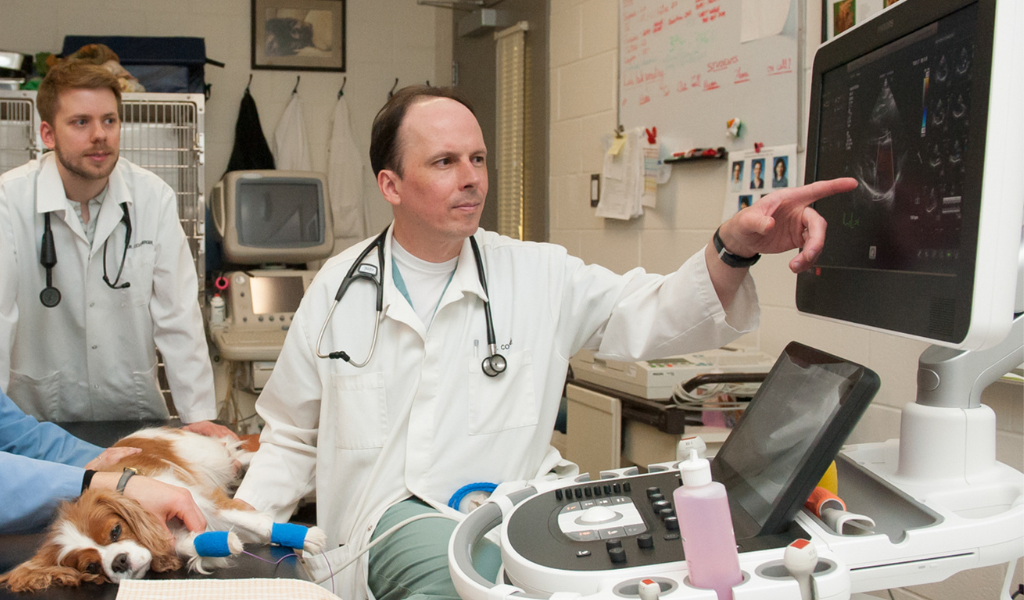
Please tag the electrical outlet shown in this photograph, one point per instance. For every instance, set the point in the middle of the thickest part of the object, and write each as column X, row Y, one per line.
column 595, row 189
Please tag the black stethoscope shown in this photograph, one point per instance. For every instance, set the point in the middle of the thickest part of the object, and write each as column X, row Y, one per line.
column 50, row 296
column 492, row 366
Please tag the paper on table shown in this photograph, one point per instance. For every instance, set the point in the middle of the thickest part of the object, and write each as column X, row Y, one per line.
column 221, row 589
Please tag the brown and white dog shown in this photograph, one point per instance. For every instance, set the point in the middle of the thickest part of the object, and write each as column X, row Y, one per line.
column 106, row 537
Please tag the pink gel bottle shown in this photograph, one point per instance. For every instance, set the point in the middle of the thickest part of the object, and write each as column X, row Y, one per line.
column 705, row 525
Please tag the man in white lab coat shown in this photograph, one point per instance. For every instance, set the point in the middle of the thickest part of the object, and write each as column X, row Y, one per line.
column 423, row 418
column 80, row 325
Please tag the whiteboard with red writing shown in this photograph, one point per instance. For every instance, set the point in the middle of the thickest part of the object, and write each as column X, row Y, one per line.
column 684, row 69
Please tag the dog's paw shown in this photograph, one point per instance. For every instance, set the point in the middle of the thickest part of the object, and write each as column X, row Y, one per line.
column 316, row 540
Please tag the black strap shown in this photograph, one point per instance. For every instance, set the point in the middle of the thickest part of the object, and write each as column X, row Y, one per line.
column 87, row 479
column 736, row 262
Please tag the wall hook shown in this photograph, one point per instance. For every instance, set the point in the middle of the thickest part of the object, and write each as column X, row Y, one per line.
column 393, row 88
column 250, row 82
column 428, row 83
column 341, row 92
column 297, row 78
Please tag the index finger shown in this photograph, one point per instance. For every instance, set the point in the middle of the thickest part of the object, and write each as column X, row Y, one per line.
column 809, row 194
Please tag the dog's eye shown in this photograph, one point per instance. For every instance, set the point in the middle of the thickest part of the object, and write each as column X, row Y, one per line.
column 93, row 568
column 115, row 533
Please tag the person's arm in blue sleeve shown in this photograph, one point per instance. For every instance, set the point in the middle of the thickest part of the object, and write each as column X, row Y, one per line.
column 32, row 490
column 41, row 465
column 22, row 435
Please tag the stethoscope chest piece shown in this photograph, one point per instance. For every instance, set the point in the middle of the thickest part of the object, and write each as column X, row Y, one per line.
column 50, row 296
column 494, row 365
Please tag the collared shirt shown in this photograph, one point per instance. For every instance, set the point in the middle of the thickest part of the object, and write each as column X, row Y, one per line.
column 94, row 211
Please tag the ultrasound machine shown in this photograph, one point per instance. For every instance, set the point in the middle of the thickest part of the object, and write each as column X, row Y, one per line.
column 920, row 104
column 270, row 223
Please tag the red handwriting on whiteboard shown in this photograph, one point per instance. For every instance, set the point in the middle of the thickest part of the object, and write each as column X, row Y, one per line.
column 682, row 87
column 665, row 90
column 655, row 75
column 710, row 85
column 658, row 25
column 644, row 100
column 695, row 81
column 741, row 75
column 721, row 65
column 784, row 66
column 673, row 20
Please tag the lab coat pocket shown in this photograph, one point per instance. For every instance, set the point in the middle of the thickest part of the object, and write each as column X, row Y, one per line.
column 360, row 411
column 138, row 271
column 144, row 401
column 39, row 397
column 503, row 402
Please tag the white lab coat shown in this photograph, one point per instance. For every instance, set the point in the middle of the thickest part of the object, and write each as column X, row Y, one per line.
column 291, row 147
column 421, row 418
column 345, row 177
column 92, row 357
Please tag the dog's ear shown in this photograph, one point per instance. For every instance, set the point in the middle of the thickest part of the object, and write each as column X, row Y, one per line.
column 145, row 526
column 41, row 572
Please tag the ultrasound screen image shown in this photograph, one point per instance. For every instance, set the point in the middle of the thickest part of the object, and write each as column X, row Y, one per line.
column 897, row 120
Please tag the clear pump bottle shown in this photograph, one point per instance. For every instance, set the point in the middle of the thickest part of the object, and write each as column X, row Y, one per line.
column 705, row 524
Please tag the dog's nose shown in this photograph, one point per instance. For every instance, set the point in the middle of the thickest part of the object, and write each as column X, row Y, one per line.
column 120, row 563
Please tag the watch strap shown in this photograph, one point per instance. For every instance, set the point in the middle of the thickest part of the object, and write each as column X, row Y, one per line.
column 730, row 259
column 127, row 474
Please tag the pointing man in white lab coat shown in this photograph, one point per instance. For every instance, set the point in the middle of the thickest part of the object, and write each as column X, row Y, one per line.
column 80, row 324
column 423, row 417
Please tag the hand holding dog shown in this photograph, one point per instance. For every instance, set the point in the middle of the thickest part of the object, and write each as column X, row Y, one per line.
column 163, row 500
column 110, row 457
column 210, row 429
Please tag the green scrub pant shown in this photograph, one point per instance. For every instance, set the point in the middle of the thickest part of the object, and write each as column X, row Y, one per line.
column 413, row 561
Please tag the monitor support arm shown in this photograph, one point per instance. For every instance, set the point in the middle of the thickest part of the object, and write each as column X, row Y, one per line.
column 947, row 437
column 949, row 378
column 955, row 378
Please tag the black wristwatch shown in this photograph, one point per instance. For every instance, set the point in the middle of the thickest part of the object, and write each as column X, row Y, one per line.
column 736, row 262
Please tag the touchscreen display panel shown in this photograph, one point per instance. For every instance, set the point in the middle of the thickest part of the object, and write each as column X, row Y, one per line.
column 273, row 295
column 791, row 431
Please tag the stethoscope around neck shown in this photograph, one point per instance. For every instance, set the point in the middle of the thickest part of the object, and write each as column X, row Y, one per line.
column 50, row 296
column 492, row 365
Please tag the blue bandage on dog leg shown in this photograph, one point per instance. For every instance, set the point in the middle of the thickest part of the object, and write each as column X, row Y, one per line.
column 288, row 535
column 212, row 543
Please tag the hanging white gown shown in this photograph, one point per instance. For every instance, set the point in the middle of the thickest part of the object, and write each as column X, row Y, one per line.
column 291, row 146
column 345, row 177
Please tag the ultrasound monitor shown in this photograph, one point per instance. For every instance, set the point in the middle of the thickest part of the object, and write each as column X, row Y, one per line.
column 272, row 217
column 920, row 105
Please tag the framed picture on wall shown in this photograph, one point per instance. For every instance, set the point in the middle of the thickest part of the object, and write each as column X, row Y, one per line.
column 839, row 15
column 298, row 35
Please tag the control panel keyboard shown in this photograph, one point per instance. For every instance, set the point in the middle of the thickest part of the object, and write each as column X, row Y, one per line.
column 608, row 524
